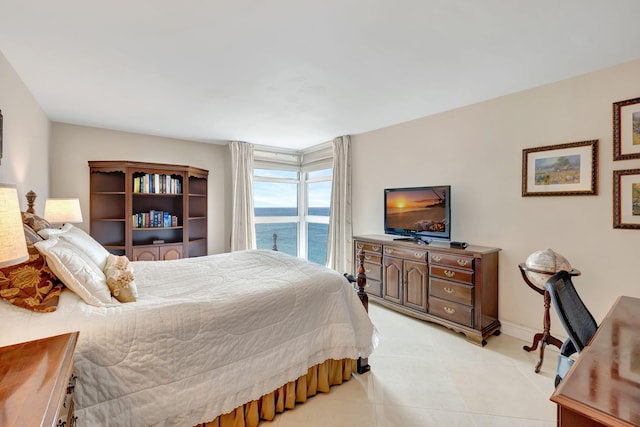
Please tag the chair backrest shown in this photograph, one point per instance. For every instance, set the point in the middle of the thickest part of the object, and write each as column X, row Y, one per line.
column 574, row 315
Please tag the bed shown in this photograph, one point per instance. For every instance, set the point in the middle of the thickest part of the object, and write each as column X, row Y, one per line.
column 223, row 340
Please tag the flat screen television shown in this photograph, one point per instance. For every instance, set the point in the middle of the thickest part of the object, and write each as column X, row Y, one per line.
column 418, row 213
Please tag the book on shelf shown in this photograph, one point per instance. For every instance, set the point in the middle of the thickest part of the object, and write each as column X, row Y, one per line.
column 154, row 219
column 153, row 183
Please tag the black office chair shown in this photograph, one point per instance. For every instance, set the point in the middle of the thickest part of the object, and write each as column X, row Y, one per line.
column 575, row 318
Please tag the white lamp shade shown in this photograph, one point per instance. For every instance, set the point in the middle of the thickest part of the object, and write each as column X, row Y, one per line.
column 60, row 211
column 13, row 245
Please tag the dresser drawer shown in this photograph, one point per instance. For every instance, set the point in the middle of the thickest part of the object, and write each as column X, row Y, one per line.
column 370, row 258
column 451, row 291
column 374, row 287
column 458, row 313
column 463, row 276
column 373, row 271
column 451, row 260
column 407, row 253
column 66, row 416
column 368, row 247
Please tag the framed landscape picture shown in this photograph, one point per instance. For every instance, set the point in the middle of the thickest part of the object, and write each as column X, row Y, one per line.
column 626, row 129
column 626, row 198
column 561, row 170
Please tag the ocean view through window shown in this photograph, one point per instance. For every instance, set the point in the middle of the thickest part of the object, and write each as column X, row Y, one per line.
column 294, row 205
column 287, row 232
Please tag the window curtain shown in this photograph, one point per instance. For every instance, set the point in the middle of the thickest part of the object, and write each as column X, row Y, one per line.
column 243, row 234
column 340, row 232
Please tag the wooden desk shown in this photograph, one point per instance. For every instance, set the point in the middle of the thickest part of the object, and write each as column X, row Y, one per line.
column 34, row 382
column 603, row 386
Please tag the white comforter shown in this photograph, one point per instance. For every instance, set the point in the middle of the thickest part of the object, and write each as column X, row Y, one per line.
column 205, row 336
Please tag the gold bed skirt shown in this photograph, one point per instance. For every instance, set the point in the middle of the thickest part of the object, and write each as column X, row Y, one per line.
column 319, row 378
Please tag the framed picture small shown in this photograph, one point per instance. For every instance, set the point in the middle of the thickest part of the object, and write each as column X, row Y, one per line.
column 626, row 198
column 626, row 129
column 561, row 170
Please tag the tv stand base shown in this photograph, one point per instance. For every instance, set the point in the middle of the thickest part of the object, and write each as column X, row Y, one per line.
column 418, row 240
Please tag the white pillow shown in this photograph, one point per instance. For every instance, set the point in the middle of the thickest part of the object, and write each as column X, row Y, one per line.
column 76, row 270
column 80, row 240
column 45, row 233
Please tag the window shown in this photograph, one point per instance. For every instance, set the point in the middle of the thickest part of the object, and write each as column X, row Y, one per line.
column 275, row 203
column 292, row 198
column 318, row 185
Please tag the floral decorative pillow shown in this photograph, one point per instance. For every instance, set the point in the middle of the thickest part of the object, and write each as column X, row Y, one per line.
column 31, row 284
column 35, row 222
column 30, row 235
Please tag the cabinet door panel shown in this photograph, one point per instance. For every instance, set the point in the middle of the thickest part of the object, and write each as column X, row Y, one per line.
column 392, row 282
column 145, row 254
column 170, row 252
column 415, row 285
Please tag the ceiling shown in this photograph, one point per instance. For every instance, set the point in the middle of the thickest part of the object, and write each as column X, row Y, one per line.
column 296, row 73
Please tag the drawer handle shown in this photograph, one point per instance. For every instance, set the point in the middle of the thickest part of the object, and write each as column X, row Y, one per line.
column 463, row 262
column 448, row 290
column 388, row 250
column 417, row 255
column 436, row 258
column 367, row 257
column 375, row 248
column 367, row 270
column 359, row 245
column 449, row 310
column 449, row 273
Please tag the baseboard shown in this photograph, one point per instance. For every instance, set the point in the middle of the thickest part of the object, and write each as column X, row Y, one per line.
column 524, row 333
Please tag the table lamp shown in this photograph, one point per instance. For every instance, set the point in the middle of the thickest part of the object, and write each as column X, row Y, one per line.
column 61, row 211
column 13, row 245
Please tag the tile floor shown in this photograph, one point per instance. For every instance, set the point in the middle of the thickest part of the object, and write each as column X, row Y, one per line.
column 428, row 376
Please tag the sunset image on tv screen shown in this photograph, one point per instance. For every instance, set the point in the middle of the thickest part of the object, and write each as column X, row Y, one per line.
column 413, row 210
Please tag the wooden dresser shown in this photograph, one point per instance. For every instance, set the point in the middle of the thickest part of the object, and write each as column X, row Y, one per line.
column 457, row 288
column 37, row 382
column 602, row 387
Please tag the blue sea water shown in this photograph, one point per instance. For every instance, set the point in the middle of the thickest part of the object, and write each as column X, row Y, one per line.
column 288, row 233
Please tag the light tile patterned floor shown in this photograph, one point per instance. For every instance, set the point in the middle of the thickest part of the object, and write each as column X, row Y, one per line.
column 424, row 375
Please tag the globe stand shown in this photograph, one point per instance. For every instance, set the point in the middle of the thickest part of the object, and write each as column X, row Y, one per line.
column 544, row 338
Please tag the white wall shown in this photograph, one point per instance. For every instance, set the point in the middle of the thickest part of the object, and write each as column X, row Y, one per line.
column 26, row 136
column 478, row 151
column 74, row 146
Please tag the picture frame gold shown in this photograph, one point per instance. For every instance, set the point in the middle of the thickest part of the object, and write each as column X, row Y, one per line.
column 569, row 169
column 626, row 199
column 626, row 129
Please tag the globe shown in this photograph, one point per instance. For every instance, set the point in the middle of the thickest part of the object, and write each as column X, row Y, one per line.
column 541, row 265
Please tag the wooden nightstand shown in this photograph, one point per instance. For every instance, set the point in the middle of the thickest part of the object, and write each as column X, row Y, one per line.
column 37, row 381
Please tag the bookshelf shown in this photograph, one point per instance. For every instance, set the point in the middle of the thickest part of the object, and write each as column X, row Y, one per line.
column 148, row 211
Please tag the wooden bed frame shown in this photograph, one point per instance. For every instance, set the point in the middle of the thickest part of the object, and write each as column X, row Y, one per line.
column 363, row 363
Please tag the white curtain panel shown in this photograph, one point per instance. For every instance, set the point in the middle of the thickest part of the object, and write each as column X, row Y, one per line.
column 339, row 242
column 243, row 232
